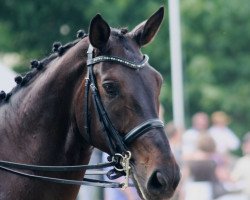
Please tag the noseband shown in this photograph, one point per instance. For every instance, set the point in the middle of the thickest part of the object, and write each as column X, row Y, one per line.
column 120, row 156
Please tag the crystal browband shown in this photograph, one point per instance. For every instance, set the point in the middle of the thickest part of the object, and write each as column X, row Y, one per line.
column 119, row 60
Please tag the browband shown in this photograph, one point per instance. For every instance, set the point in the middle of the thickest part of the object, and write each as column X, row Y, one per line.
column 119, row 60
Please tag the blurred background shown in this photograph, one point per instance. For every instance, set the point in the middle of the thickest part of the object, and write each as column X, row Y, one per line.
column 215, row 38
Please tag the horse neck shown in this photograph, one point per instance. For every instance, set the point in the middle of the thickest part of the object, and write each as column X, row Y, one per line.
column 41, row 126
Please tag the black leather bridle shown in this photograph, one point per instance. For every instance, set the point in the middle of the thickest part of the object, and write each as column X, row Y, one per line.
column 117, row 143
column 120, row 156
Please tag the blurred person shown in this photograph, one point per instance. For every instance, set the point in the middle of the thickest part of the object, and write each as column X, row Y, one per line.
column 223, row 136
column 202, row 182
column 241, row 171
column 200, row 123
column 174, row 137
column 226, row 141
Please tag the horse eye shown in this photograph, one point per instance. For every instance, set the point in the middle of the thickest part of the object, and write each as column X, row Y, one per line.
column 111, row 89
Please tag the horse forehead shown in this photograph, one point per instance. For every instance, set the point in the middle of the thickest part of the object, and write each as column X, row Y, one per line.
column 147, row 77
column 124, row 46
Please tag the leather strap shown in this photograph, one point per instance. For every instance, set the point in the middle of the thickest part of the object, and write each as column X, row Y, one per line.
column 54, row 168
column 141, row 129
column 119, row 60
column 86, row 181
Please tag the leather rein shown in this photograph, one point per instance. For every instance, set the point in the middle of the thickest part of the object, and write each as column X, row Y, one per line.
column 120, row 155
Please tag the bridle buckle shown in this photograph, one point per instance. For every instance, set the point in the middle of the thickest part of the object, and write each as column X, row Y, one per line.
column 124, row 166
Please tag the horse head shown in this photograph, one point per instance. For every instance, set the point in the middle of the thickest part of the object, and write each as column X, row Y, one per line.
column 128, row 90
column 98, row 91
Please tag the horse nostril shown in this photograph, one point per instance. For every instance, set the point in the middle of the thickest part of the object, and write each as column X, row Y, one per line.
column 159, row 179
column 163, row 183
column 157, row 183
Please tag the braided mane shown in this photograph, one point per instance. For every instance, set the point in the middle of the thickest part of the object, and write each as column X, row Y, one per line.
column 37, row 66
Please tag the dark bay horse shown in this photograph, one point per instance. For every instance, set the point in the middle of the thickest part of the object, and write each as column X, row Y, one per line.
column 71, row 102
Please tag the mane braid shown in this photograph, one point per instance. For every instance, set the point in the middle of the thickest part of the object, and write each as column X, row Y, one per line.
column 124, row 30
column 22, row 81
column 64, row 48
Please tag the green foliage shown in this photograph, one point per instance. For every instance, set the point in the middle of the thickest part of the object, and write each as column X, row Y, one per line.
column 215, row 42
column 5, row 38
column 34, row 25
column 31, row 26
column 216, row 37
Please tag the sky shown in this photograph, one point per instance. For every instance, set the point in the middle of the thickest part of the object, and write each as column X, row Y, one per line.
column 6, row 78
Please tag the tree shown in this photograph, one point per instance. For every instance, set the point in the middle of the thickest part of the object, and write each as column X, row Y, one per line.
column 30, row 28
column 215, row 44
column 215, row 35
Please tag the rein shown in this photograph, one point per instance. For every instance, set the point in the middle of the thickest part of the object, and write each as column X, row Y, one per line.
column 8, row 166
column 120, row 156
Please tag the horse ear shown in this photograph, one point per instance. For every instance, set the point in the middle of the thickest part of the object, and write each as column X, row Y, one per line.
column 145, row 32
column 99, row 32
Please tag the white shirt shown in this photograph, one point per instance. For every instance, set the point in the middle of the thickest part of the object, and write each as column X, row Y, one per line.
column 189, row 141
column 224, row 138
column 241, row 172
